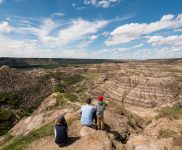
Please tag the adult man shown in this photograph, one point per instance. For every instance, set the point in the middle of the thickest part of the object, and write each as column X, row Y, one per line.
column 87, row 113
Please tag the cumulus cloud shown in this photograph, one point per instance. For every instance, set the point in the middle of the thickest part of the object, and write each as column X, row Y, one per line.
column 101, row 3
column 133, row 31
column 175, row 40
column 48, row 34
column 5, row 27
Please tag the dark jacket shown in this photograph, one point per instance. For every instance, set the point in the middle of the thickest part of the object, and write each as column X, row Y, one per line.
column 61, row 133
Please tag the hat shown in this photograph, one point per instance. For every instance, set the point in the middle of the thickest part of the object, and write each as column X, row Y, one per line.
column 100, row 98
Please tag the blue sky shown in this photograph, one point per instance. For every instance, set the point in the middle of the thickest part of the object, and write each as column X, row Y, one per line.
column 111, row 29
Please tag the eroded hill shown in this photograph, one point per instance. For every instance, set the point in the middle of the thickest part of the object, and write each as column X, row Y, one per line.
column 136, row 117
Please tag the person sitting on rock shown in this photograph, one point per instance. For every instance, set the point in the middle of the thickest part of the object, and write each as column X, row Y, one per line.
column 100, row 113
column 61, row 130
column 87, row 113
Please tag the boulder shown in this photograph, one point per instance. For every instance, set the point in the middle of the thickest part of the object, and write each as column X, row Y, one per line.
column 140, row 142
column 86, row 131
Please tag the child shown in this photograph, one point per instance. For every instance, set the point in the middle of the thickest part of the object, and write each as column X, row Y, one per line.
column 61, row 130
column 100, row 113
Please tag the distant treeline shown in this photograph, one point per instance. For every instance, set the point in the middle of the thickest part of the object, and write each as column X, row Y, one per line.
column 48, row 62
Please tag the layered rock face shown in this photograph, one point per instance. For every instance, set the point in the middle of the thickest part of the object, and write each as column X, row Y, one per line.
column 146, row 85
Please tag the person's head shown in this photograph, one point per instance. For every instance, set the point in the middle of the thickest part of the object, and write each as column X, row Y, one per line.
column 100, row 98
column 60, row 120
column 88, row 101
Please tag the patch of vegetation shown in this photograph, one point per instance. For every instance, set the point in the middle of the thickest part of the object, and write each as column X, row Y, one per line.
column 82, row 87
column 21, row 142
column 133, row 120
column 147, row 122
column 71, row 97
column 89, row 75
column 5, row 114
column 60, row 88
column 173, row 70
column 13, row 99
column 60, row 101
column 7, row 137
column 5, row 121
column 166, row 133
column 66, row 82
column 174, row 112
column 118, row 108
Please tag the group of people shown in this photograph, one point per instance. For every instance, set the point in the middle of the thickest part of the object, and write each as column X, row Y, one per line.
column 90, row 115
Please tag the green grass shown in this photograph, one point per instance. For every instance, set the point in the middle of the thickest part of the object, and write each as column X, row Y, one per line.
column 174, row 112
column 60, row 101
column 90, row 75
column 7, row 137
column 71, row 97
column 21, row 142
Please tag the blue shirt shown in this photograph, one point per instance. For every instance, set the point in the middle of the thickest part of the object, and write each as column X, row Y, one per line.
column 86, row 115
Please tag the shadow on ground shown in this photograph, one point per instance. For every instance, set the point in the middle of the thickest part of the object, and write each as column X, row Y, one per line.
column 71, row 140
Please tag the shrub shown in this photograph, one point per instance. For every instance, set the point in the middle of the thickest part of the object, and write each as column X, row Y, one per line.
column 5, row 121
column 13, row 99
column 173, row 112
column 166, row 133
column 60, row 88
column 5, row 114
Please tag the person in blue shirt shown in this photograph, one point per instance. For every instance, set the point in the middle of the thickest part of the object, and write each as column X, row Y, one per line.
column 61, row 130
column 87, row 112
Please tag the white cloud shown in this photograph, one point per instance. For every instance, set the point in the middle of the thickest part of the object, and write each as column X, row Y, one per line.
column 138, row 45
column 49, row 34
column 79, row 29
column 175, row 40
column 57, row 14
column 101, row 3
column 5, row 27
column 133, row 31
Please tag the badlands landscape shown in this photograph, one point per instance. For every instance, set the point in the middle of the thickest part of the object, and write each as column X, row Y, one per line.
column 144, row 109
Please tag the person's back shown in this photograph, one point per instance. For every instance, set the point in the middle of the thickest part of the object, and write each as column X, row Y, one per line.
column 100, row 113
column 100, row 109
column 87, row 114
column 61, row 130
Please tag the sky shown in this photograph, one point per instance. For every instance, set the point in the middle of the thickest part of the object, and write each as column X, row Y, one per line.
column 98, row 29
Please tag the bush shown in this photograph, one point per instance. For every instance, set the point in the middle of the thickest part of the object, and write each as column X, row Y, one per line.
column 59, row 88
column 5, row 121
column 4, row 127
column 13, row 99
column 173, row 112
column 5, row 115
